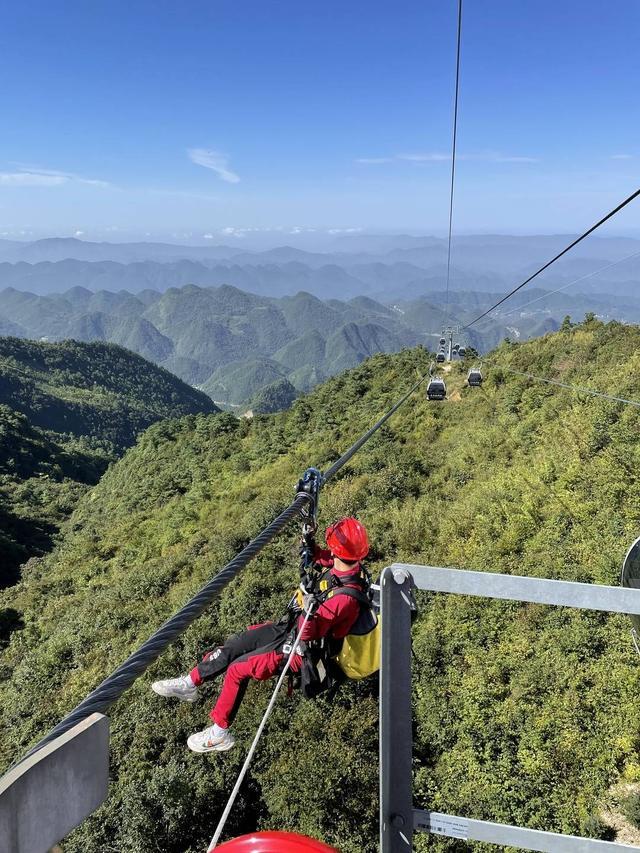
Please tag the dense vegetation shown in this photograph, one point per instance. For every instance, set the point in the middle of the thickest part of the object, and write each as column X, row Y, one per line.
column 523, row 713
column 66, row 411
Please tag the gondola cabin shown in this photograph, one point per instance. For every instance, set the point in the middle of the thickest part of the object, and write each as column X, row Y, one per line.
column 462, row 352
column 440, row 358
column 443, row 342
column 436, row 389
column 474, row 377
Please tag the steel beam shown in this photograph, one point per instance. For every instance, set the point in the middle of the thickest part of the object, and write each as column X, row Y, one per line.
column 396, row 730
column 511, row 836
column 587, row 596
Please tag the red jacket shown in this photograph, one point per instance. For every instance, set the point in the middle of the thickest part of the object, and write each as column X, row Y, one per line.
column 337, row 615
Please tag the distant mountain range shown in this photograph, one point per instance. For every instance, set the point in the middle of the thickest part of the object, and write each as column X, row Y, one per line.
column 383, row 267
column 236, row 323
column 234, row 344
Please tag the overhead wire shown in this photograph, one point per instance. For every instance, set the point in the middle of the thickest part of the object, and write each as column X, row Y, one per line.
column 453, row 150
column 577, row 388
column 575, row 281
column 557, row 257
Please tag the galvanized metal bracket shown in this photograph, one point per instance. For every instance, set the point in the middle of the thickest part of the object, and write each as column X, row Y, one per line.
column 396, row 800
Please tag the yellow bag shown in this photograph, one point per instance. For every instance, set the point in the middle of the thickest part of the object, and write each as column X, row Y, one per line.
column 360, row 653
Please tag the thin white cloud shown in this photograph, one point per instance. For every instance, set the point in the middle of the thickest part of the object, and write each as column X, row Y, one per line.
column 33, row 176
column 502, row 158
column 439, row 157
column 622, row 157
column 430, row 157
column 374, row 161
column 30, row 179
column 214, row 160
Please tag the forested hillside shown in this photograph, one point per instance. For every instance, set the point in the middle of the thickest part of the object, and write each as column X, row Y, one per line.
column 66, row 411
column 233, row 344
column 523, row 713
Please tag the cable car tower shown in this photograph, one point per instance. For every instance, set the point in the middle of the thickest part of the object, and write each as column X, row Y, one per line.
column 446, row 341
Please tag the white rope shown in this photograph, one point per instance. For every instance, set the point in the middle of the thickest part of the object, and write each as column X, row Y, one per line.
column 247, row 762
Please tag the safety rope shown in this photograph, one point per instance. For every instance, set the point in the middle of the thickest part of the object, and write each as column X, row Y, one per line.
column 115, row 684
column 256, row 739
column 453, row 150
column 556, row 258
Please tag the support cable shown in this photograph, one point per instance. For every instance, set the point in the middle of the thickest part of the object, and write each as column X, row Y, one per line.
column 258, row 734
column 453, row 149
column 557, row 257
column 575, row 281
column 114, row 685
column 338, row 464
column 577, row 388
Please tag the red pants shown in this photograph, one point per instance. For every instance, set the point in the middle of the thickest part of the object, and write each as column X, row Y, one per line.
column 243, row 656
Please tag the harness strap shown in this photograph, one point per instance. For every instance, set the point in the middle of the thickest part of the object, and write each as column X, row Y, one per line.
column 360, row 596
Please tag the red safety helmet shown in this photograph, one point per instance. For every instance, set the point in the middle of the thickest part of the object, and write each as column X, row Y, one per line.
column 347, row 539
column 275, row 842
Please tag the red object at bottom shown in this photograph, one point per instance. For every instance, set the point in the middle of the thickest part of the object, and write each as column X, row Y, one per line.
column 275, row 842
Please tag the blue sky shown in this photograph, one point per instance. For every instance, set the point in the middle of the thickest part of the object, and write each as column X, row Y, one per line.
column 164, row 118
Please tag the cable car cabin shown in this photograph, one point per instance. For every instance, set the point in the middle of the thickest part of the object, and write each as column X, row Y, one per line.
column 443, row 342
column 462, row 352
column 436, row 389
column 456, row 347
column 440, row 358
column 474, row 377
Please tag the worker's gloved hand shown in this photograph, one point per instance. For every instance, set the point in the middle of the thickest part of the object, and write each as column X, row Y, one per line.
column 309, row 602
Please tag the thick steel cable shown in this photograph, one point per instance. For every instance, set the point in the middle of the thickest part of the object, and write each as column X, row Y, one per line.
column 453, row 150
column 111, row 689
column 337, row 465
column 557, row 257
column 577, row 388
column 114, row 685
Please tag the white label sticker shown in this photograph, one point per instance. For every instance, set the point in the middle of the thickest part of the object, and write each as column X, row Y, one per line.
column 443, row 824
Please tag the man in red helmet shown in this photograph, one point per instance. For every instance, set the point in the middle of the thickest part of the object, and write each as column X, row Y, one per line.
column 260, row 651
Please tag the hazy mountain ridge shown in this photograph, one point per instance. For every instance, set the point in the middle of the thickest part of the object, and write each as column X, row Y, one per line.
column 232, row 342
column 382, row 266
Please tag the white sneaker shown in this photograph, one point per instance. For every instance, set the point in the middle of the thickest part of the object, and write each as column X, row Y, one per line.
column 181, row 688
column 208, row 741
